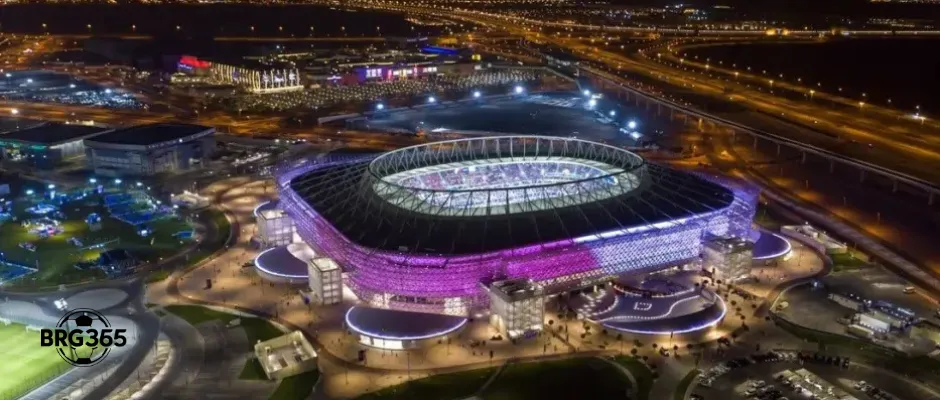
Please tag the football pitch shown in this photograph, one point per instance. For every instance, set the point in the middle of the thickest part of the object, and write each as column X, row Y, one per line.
column 24, row 365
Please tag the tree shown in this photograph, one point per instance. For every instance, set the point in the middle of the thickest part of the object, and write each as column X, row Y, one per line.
column 633, row 351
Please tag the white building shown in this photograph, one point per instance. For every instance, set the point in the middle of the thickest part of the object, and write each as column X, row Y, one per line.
column 728, row 259
column 272, row 80
column 286, row 355
column 275, row 227
column 326, row 281
column 517, row 306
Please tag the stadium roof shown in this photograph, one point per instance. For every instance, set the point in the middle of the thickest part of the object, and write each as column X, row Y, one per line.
column 344, row 195
column 52, row 134
column 144, row 135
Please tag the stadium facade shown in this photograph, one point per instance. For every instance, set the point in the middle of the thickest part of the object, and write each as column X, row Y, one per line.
column 429, row 228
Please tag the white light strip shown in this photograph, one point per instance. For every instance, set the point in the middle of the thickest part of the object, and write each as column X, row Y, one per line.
column 386, row 337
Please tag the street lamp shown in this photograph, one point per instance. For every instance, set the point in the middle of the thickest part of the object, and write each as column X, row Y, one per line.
column 631, row 124
column 380, row 106
column 612, row 113
column 117, row 181
column 811, row 93
column 139, row 184
column 432, row 100
column 476, row 94
column 92, row 181
column 14, row 111
column 592, row 102
column 587, row 92
column 519, row 90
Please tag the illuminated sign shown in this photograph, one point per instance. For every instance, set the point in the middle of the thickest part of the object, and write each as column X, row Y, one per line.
column 193, row 62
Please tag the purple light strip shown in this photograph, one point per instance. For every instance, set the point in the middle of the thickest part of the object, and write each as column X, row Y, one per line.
column 436, row 277
column 402, row 338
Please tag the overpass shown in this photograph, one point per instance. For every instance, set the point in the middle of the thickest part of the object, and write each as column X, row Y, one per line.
column 606, row 81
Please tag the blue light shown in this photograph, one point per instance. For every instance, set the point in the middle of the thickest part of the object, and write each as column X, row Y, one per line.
column 380, row 106
column 51, row 186
column 592, row 103
column 476, row 94
column 117, row 181
column 612, row 113
column 631, row 124
column 29, row 192
column 431, row 100
column 586, row 93
column 92, row 181
column 519, row 90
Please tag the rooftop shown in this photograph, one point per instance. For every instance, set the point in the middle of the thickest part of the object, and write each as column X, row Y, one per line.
column 341, row 195
column 401, row 325
column 52, row 133
column 143, row 135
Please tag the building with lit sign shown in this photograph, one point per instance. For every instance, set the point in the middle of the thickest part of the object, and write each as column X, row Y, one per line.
column 150, row 149
column 261, row 79
column 421, row 228
column 47, row 145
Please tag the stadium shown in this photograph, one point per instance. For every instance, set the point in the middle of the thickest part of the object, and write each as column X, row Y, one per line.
column 436, row 228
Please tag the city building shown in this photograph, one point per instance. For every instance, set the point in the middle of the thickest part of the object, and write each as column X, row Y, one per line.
column 326, row 281
column 47, row 145
column 257, row 77
column 150, row 149
column 420, row 228
column 275, row 228
column 728, row 258
column 517, row 307
column 286, row 356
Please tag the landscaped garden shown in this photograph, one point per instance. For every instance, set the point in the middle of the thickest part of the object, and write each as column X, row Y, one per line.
column 49, row 238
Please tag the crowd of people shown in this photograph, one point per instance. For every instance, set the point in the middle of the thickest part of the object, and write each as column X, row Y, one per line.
column 383, row 91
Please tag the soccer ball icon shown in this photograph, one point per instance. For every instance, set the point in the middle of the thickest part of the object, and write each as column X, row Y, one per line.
column 87, row 324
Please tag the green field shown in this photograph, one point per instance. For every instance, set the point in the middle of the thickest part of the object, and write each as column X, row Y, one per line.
column 56, row 257
column 25, row 364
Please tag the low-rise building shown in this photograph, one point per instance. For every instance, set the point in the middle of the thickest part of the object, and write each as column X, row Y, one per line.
column 728, row 258
column 150, row 149
column 518, row 307
column 47, row 145
column 286, row 356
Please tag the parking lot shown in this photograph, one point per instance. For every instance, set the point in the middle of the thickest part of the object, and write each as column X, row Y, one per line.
column 759, row 377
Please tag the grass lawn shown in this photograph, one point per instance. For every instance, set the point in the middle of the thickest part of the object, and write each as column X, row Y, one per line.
column 252, row 371
column 684, row 384
column 846, row 262
column 56, row 257
column 297, row 387
column 456, row 385
column 642, row 374
column 576, row 378
column 25, row 364
column 255, row 328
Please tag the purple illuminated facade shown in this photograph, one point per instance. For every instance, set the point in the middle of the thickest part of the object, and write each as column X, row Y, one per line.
column 450, row 282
